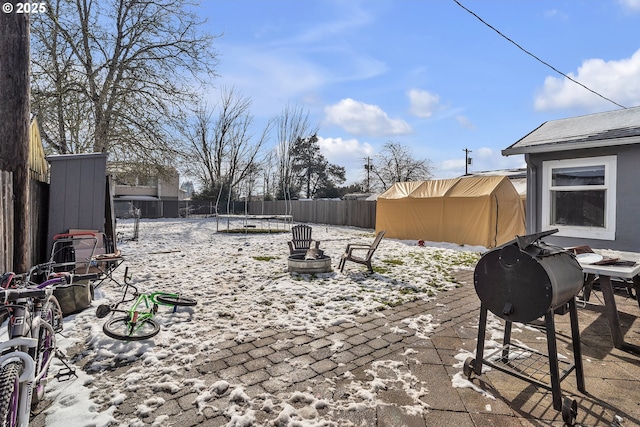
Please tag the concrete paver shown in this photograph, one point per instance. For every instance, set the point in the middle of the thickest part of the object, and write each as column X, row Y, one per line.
column 280, row 360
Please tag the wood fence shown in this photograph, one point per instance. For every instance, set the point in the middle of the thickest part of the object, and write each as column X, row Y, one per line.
column 355, row 213
column 38, row 202
column 6, row 221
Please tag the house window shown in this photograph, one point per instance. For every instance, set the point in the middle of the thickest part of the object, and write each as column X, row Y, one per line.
column 579, row 197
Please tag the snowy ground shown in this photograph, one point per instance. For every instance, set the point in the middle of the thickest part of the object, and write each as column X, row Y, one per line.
column 242, row 286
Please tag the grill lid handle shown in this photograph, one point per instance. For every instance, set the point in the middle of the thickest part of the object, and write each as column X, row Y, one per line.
column 525, row 241
column 508, row 309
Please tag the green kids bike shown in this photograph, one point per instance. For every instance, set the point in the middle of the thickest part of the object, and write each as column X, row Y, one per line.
column 137, row 323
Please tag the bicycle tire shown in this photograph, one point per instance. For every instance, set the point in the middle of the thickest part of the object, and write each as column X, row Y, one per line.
column 45, row 349
column 120, row 328
column 179, row 301
column 9, row 389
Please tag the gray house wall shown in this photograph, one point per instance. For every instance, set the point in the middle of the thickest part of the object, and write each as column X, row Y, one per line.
column 627, row 196
column 76, row 193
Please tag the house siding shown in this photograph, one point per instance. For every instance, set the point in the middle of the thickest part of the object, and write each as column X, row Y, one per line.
column 627, row 196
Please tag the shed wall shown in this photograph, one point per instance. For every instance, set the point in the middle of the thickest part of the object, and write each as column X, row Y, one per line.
column 77, row 193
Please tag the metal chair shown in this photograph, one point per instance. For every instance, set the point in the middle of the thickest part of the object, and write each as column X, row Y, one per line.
column 364, row 260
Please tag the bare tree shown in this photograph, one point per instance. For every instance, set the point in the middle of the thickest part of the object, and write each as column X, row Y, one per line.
column 269, row 177
column 292, row 125
column 223, row 150
column 114, row 75
column 396, row 163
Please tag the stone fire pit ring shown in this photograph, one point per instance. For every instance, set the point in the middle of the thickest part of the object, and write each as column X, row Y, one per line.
column 297, row 264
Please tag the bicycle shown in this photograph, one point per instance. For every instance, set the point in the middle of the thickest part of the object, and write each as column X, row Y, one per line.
column 35, row 317
column 137, row 324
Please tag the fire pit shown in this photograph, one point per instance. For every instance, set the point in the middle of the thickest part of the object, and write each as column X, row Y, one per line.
column 297, row 264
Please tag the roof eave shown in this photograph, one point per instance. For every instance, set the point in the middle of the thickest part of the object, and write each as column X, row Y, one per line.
column 568, row 146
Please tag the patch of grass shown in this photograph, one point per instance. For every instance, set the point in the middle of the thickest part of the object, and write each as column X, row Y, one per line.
column 264, row 258
column 406, row 290
column 389, row 303
column 393, row 261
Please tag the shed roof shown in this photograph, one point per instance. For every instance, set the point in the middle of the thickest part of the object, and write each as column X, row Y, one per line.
column 611, row 128
column 469, row 186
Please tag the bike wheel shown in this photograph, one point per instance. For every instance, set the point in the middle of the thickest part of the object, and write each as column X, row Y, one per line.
column 46, row 347
column 121, row 328
column 9, row 393
column 176, row 300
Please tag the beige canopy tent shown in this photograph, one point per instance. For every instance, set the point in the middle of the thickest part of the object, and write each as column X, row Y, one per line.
column 478, row 210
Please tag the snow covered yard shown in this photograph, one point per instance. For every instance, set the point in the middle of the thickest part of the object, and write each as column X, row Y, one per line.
column 243, row 288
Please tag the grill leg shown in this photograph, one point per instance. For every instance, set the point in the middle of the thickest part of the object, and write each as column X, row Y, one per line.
column 482, row 331
column 577, row 349
column 506, row 341
column 553, row 360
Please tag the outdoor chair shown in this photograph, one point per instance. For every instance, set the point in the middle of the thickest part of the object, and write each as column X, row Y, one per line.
column 364, row 260
column 301, row 240
column 73, row 252
column 106, row 259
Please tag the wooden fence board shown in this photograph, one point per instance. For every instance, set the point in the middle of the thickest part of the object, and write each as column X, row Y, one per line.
column 6, row 221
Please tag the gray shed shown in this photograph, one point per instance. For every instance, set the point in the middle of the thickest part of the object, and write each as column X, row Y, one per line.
column 77, row 193
column 582, row 178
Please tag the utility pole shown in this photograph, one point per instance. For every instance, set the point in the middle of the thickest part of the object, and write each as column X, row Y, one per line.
column 15, row 110
column 467, row 160
column 368, row 167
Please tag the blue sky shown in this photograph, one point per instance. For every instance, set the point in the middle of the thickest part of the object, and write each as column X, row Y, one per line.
column 426, row 74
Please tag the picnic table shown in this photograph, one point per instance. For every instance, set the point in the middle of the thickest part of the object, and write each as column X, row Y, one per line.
column 606, row 264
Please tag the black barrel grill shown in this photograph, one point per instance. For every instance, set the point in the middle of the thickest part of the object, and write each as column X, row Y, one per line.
column 522, row 281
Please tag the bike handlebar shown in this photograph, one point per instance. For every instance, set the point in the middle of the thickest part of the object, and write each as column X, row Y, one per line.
column 57, row 279
column 68, row 278
column 16, row 294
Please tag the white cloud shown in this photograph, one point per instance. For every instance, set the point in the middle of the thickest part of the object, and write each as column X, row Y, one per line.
column 616, row 80
column 556, row 14
column 348, row 153
column 359, row 118
column 484, row 159
column 422, row 103
column 485, row 152
column 452, row 164
column 632, row 5
column 465, row 122
column 338, row 147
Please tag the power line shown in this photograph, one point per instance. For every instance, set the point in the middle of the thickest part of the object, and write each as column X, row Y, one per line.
column 535, row 57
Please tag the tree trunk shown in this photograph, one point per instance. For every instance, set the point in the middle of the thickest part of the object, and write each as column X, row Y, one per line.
column 14, row 125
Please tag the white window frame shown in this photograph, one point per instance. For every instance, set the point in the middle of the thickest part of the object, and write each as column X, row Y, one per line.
column 608, row 232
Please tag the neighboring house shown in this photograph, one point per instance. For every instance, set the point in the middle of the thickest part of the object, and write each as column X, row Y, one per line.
column 356, row 196
column 582, row 178
column 155, row 194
